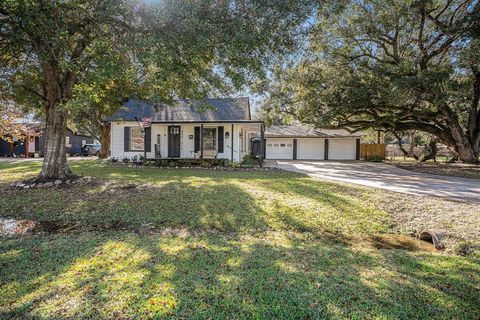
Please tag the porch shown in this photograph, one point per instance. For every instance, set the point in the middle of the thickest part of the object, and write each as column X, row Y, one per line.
column 194, row 140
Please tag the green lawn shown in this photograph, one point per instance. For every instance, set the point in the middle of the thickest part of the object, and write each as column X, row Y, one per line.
column 215, row 245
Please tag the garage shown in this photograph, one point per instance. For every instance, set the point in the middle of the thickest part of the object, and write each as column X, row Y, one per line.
column 308, row 143
column 342, row 149
column 310, row 149
column 279, row 148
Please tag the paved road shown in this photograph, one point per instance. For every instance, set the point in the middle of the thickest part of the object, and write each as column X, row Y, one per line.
column 388, row 177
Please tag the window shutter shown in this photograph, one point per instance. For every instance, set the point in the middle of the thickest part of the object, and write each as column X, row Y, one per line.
column 197, row 139
column 220, row 139
column 148, row 139
column 126, row 139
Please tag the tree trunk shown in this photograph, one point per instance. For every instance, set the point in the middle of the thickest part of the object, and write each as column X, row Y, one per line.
column 55, row 158
column 431, row 150
column 411, row 148
column 467, row 153
column 104, row 140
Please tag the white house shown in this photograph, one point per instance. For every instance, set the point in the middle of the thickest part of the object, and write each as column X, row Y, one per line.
column 220, row 128
column 208, row 128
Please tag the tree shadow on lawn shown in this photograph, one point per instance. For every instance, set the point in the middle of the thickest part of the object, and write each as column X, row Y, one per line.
column 126, row 275
column 209, row 205
column 337, row 208
column 221, row 204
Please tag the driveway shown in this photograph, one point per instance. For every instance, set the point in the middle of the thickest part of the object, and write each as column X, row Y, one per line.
column 388, row 177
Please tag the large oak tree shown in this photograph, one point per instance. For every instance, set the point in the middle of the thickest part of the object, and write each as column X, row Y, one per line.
column 390, row 65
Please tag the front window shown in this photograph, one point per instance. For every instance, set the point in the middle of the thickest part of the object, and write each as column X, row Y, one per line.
column 209, row 139
column 136, row 139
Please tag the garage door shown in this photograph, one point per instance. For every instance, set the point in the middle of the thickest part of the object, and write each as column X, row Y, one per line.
column 342, row 149
column 310, row 149
column 279, row 148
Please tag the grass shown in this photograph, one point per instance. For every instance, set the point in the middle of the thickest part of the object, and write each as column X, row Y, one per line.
column 463, row 170
column 241, row 245
column 197, row 199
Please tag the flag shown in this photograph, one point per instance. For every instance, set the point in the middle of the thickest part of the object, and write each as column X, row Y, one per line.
column 146, row 122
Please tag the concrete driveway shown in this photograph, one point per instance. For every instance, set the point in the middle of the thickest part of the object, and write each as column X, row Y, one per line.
column 388, row 177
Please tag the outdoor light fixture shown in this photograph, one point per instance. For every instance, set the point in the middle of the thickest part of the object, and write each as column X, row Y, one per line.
column 227, row 135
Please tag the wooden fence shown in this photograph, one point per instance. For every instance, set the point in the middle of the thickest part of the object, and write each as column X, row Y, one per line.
column 372, row 150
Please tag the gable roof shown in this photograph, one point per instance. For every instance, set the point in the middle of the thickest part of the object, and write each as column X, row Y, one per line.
column 186, row 110
column 307, row 132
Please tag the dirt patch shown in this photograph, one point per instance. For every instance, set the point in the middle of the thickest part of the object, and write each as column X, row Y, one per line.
column 444, row 169
column 397, row 241
column 16, row 227
column 411, row 214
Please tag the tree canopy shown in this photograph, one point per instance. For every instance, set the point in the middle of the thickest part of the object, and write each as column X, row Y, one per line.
column 52, row 49
column 389, row 65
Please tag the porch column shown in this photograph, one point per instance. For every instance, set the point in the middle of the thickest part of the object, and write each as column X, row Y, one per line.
column 231, row 134
column 201, row 141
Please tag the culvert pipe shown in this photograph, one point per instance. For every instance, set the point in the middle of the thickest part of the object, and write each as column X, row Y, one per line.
column 434, row 236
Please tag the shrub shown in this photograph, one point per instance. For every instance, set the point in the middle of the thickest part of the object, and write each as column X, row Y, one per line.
column 126, row 160
column 375, row 159
column 248, row 160
column 235, row 164
column 206, row 164
column 251, row 160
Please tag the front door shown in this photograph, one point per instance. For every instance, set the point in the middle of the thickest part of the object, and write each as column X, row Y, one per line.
column 174, row 141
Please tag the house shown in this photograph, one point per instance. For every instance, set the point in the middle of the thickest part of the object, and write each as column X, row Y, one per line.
column 21, row 143
column 207, row 128
column 34, row 142
column 74, row 141
column 308, row 143
column 219, row 128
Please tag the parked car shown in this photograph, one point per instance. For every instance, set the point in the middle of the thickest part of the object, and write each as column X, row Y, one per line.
column 91, row 149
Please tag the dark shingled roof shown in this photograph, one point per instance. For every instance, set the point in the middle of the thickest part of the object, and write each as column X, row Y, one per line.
column 229, row 109
column 307, row 132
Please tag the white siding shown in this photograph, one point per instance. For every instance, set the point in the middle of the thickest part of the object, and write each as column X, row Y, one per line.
column 342, row 149
column 279, row 148
column 310, row 148
column 186, row 144
column 117, row 144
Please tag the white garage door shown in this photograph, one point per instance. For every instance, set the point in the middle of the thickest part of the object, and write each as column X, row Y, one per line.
column 279, row 148
column 342, row 149
column 310, row 149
